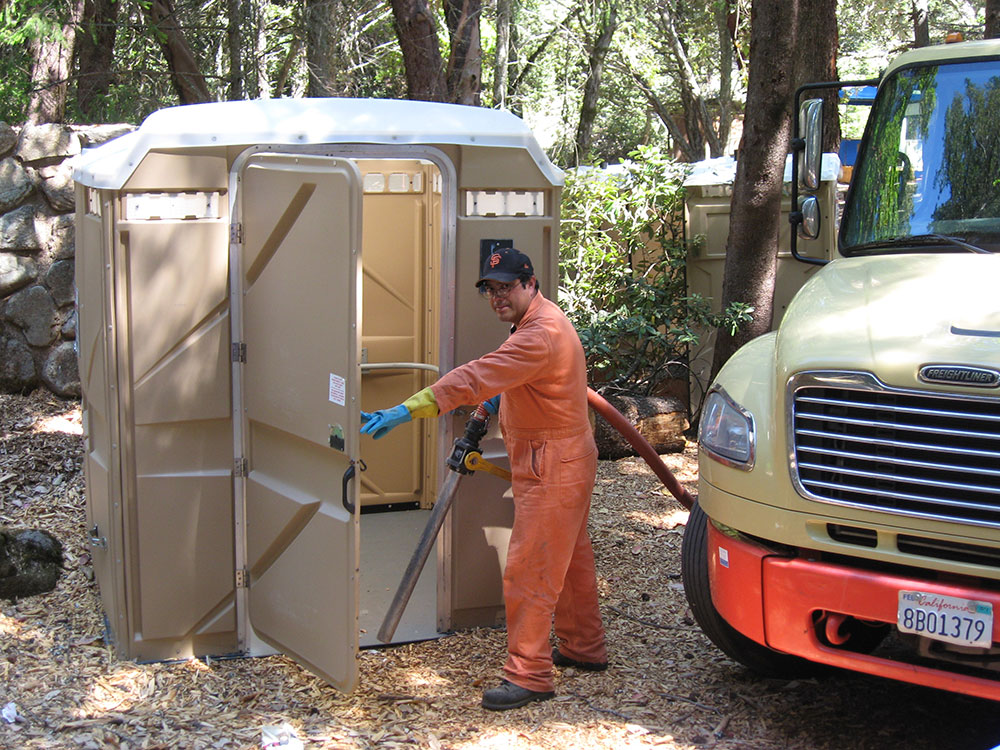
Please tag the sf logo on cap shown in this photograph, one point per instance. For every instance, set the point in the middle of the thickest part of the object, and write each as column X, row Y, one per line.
column 495, row 260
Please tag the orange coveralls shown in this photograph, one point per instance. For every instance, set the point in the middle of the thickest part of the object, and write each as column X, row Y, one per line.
column 541, row 372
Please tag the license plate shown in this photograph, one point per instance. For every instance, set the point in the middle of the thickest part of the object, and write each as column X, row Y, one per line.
column 965, row 622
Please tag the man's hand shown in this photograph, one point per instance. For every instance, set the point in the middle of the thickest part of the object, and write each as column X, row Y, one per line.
column 379, row 423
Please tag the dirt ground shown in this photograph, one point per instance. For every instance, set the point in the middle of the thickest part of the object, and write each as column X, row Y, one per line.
column 667, row 687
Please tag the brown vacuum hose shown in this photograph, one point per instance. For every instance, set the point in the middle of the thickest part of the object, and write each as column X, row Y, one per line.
column 614, row 417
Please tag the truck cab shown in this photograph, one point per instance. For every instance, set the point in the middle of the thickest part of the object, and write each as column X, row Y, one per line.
column 849, row 497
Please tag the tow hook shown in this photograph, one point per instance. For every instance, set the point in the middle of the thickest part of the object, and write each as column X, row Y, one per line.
column 834, row 621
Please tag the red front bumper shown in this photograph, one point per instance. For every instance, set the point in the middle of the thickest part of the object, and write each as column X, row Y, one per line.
column 772, row 600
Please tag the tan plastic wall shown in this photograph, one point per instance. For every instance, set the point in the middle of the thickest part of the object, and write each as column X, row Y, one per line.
column 477, row 535
column 154, row 303
column 402, row 244
column 707, row 210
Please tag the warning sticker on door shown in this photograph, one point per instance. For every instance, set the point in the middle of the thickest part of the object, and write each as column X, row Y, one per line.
column 338, row 389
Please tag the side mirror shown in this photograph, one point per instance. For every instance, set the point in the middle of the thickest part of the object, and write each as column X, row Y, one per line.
column 811, row 157
column 810, row 224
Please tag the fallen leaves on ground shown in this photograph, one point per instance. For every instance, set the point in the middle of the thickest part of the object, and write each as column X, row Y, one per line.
column 667, row 687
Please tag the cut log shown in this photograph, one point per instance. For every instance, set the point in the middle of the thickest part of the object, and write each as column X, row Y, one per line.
column 662, row 421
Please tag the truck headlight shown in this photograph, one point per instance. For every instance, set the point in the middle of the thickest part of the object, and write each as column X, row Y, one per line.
column 726, row 431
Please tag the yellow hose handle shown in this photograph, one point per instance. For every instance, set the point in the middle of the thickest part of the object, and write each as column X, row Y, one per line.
column 475, row 462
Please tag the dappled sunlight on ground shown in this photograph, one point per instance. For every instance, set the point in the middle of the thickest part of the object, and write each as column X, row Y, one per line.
column 118, row 691
column 683, row 465
column 68, row 423
column 669, row 519
column 422, row 679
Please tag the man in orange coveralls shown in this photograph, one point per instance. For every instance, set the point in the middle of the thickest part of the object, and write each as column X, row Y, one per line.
column 541, row 371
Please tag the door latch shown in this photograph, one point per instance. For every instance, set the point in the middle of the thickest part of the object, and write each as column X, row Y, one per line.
column 97, row 541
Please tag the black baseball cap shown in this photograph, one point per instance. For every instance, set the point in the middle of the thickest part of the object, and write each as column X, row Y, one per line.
column 505, row 264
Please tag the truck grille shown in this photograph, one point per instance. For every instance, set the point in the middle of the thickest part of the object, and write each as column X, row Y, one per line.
column 860, row 443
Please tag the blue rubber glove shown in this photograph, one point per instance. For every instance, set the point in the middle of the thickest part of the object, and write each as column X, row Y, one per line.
column 492, row 405
column 377, row 424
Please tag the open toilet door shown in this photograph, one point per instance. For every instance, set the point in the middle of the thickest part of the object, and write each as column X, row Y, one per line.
column 297, row 280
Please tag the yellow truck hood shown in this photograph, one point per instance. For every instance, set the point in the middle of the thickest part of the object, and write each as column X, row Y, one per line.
column 892, row 314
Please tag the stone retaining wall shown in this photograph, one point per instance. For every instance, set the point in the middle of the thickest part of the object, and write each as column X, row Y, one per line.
column 37, row 290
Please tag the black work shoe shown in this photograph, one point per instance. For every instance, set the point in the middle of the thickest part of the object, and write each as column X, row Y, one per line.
column 564, row 661
column 509, row 695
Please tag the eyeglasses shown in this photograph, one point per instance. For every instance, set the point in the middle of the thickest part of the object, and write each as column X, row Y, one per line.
column 498, row 291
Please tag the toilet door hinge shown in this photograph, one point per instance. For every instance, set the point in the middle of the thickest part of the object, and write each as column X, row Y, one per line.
column 241, row 578
column 240, row 468
column 240, row 352
column 236, row 233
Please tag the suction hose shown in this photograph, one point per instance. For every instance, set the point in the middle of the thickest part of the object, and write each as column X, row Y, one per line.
column 614, row 417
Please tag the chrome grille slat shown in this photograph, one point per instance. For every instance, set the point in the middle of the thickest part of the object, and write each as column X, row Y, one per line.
column 928, row 499
column 909, row 410
column 903, row 462
column 904, row 479
column 900, row 444
column 859, row 443
column 895, row 426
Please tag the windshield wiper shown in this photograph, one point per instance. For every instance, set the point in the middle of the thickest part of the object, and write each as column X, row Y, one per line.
column 959, row 243
column 922, row 239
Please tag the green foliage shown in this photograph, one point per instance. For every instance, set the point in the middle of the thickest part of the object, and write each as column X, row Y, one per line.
column 21, row 22
column 141, row 82
column 623, row 121
column 622, row 273
column 14, row 84
column 24, row 20
column 872, row 32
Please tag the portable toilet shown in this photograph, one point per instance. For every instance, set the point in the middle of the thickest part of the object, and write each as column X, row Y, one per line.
column 707, row 206
column 250, row 276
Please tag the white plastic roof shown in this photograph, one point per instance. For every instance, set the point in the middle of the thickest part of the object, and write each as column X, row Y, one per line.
column 722, row 170
column 308, row 121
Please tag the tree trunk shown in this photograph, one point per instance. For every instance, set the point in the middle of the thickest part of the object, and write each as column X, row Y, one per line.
column 465, row 63
column 532, row 58
column 258, row 87
column 920, row 14
column 501, row 65
column 691, row 90
column 693, row 123
column 677, row 134
column 723, row 11
column 321, row 46
column 754, row 222
column 418, row 41
column 817, row 45
column 992, row 30
column 234, row 37
column 188, row 81
column 281, row 82
column 51, row 61
column 592, row 87
column 95, row 48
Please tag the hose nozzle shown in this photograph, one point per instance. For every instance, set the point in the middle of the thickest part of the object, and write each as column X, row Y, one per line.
column 475, row 428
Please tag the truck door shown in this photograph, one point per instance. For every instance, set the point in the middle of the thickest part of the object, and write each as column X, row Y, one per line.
column 298, row 282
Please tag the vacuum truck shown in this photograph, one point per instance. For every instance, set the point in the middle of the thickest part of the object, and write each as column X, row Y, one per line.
column 849, row 500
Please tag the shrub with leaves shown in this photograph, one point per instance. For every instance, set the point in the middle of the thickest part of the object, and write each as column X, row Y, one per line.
column 622, row 273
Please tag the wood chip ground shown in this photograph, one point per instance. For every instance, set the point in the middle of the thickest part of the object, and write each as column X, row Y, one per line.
column 667, row 687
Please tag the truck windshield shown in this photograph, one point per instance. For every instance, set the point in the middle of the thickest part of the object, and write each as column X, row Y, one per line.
column 928, row 176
